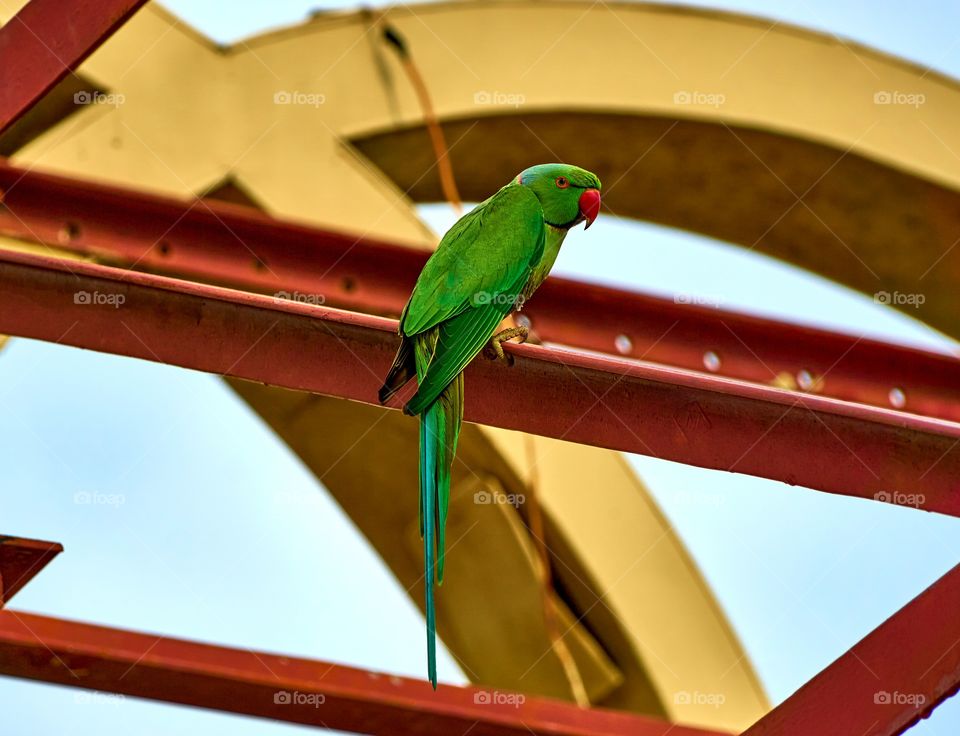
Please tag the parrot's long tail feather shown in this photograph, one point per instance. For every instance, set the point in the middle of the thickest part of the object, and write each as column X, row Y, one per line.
column 439, row 431
column 428, row 502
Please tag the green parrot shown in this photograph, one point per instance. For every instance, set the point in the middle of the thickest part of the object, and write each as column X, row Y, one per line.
column 486, row 266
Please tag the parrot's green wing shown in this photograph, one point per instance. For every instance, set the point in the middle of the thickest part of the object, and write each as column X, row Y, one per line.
column 485, row 253
column 472, row 282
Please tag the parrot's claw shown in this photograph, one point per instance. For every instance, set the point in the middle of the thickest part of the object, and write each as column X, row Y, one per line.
column 520, row 333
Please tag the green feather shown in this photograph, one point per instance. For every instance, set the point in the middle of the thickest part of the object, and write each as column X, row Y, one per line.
column 483, row 255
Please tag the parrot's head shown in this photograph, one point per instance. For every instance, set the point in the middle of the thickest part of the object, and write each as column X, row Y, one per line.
column 568, row 194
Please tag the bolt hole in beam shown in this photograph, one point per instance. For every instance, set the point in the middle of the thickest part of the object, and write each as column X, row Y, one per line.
column 69, row 233
column 898, row 398
column 711, row 361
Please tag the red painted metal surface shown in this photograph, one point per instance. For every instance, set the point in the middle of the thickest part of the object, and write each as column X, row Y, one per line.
column 895, row 675
column 288, row 688
column 625, row 405
column 20, row 561
column 239, row 247
column 47, row 40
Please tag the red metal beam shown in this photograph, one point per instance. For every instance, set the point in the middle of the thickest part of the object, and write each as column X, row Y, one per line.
column 47, row 40
column 620, row 404
column 288, row 688
column 20, row 561
column 240, row 247
column 893, row 677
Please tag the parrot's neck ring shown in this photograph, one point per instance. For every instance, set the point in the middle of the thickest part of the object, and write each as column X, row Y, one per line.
column 567, row 225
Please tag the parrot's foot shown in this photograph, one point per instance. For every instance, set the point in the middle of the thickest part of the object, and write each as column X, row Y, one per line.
column 510, row 333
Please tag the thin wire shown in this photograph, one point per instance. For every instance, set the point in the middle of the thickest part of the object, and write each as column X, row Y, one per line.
column 551, row 619
column 437, row 139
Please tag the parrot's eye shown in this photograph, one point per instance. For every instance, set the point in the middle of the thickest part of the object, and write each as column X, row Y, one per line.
column 562, row 182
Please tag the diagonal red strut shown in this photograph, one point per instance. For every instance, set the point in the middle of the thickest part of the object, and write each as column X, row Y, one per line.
column 289, row 689
column 20, row 561
column 47, row 40
column 895, row 675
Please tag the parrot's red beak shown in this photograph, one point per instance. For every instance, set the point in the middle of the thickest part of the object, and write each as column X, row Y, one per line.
column 590, row 205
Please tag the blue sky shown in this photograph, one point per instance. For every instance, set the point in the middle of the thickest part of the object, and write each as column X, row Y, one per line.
column 208, row 527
